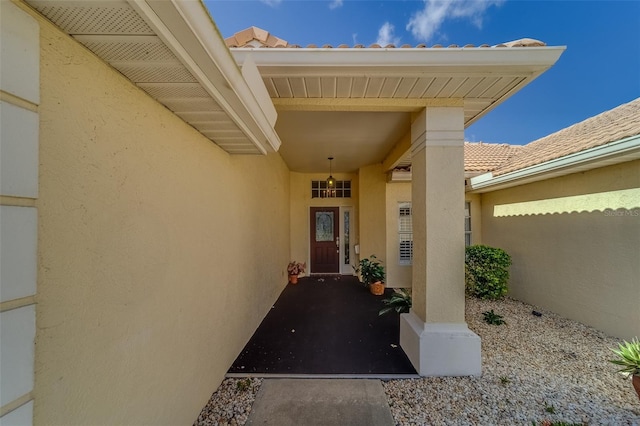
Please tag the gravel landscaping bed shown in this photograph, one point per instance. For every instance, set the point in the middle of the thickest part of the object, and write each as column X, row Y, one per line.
column 230, row 404
column 535, row 369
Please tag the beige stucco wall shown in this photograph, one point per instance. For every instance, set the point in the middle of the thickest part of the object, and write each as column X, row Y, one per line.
column 159, row 254
column 373, row 211
column 301, row 201
column 398, row 276
column 583, row 265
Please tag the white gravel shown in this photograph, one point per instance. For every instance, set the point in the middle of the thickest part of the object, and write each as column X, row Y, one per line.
column 536, row 370
column 231, row 403
column 533, row 369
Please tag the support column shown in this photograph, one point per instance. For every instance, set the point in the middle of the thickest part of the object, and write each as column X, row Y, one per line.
column 434, row 334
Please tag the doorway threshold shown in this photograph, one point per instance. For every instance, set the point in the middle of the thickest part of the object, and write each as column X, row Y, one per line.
column 323, row 376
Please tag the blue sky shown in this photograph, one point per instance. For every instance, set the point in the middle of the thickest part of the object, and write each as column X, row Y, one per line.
column 599, row 70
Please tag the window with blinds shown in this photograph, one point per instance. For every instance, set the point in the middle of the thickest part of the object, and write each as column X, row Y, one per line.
column 467, row 223
column 405, row 234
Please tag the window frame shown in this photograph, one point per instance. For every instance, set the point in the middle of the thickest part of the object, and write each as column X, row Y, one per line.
column 405, row 233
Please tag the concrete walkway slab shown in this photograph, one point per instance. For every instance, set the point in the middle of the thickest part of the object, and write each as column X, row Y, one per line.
column 326, row 402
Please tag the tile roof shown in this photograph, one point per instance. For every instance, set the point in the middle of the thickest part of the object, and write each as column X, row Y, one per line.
column 256, row 37
column 486, row 157
column 248, row 37
column 610, row 126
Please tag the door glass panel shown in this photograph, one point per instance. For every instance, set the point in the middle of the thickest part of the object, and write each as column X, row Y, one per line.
column 347, row 260
column 324, row 226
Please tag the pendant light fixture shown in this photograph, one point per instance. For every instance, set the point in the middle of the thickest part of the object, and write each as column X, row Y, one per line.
column 331, row 182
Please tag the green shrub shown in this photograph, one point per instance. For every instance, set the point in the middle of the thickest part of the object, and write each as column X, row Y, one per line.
column 492, row 318
column 486, row 271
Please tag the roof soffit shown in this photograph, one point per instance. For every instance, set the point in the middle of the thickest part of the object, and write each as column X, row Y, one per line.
column 482, row 77
column 189, row 70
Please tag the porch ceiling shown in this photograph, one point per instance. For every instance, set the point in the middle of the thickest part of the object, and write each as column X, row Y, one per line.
column 355, row 104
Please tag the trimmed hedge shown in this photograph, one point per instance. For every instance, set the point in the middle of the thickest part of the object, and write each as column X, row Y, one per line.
column 486, row 271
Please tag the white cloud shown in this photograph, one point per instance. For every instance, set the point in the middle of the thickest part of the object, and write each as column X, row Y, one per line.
column 386, row 35
column 272, row 3
column 335, row 4
column 425, row 23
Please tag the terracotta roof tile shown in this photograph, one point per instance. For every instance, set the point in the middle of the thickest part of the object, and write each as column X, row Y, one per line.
column 485, row 157
column 610, row 126
column 248, row 38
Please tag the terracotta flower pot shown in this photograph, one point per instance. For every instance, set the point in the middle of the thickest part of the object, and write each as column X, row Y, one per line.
column 636, row 384
column 293, row 279
column 377, row 288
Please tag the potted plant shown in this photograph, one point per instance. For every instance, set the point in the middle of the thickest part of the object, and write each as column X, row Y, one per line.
column 294, row 269
column 629, row 359
column 373, row 275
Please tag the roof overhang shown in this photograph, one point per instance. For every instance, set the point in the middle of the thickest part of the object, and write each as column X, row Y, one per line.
column 173, row 51
column 396, row 79
column 624, row 150
column 332, row 101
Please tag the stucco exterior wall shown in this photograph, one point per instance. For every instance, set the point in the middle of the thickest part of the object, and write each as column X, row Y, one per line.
column 159, row 254
column 301, row 201
column 582, row 265
column 373, row 211
column 398, row 276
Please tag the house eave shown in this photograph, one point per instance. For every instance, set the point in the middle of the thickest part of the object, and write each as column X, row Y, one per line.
column 290, row 67
column 411, row 60
column 624, row 150
column 173, row 51
column 189, row 31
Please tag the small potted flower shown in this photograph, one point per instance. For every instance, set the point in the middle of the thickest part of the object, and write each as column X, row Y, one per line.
column 629, row 359
column 294, row 269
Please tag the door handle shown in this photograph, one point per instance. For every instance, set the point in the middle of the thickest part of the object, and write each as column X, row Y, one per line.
column 337, row 241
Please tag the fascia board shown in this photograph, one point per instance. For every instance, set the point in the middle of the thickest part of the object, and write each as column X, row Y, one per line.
column 187, row 29
column 495, row 58
column 627, row 148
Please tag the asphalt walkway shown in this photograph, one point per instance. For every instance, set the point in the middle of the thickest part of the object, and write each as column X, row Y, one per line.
column 326, row 326
column 321, row 402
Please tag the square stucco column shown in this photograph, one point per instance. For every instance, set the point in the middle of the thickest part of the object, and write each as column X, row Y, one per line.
column 434, row 335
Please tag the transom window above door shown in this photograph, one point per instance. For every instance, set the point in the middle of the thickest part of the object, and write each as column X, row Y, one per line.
column 319, row 189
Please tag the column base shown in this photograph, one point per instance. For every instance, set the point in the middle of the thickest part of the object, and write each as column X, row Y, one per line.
column 440, row 349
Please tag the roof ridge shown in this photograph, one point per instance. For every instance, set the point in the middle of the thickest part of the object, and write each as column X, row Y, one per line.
column 265, row 39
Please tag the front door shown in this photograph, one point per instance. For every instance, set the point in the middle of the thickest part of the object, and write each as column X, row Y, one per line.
column 325, row 240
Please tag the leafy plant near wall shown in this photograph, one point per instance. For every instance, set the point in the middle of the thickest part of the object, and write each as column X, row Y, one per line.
column 492, row 318
column 400, row 301
column 629, row 359
column 486, row 271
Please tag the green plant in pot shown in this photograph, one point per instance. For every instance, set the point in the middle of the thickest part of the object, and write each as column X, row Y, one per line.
column 372, row 273
column 629, row 359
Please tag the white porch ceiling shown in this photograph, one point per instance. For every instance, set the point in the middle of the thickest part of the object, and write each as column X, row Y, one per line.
column 376, row 87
